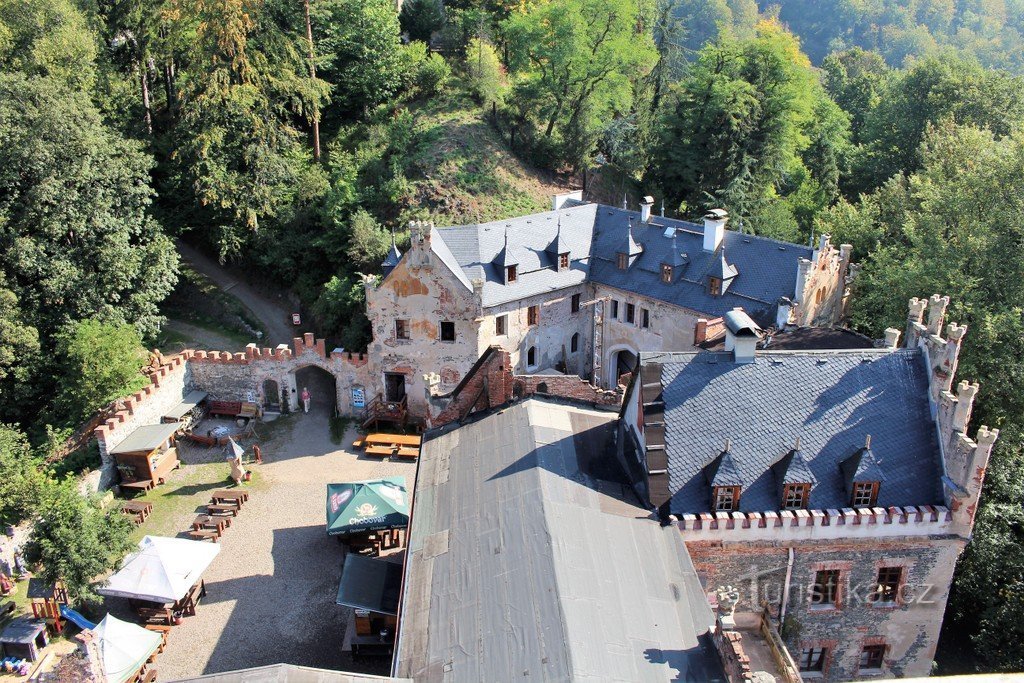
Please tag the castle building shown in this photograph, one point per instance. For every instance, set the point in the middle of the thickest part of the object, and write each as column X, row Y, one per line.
column 582, row 290
column 835, row 488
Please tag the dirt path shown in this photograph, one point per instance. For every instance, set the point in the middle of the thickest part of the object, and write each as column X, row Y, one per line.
column 271, row 591
column 200, row 338
column 274, row 315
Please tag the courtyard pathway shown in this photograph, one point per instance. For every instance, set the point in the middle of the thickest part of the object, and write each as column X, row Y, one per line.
column 271, row 590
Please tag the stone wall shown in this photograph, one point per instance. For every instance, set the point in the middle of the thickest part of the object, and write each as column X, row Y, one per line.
column 168, row 384
column 821, row 286
column 909, row 628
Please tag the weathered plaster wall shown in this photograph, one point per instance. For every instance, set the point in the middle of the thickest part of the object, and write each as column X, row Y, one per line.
column 551, row 336
column 670, row 328
column 909, row 629
column 422, row 290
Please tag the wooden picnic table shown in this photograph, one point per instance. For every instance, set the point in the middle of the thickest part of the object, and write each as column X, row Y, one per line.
column 237, row 495
column 211, row 522
column 140, row 509
column 137, row 486
column 187, row 604
column 222, row 509
column 392, row 440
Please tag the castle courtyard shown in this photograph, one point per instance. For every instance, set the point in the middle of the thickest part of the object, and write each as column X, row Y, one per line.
column 271, row 590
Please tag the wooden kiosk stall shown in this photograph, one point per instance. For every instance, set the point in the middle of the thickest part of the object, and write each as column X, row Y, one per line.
column 146, row 456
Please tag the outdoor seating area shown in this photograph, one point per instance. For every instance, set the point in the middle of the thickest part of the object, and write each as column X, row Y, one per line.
column 368, row 516
column 223, row 505
column 390, row 445
column 146, row 456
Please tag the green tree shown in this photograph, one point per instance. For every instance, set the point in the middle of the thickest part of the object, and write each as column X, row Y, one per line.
column 930, row 91
column 48, row 38
column 341, row 308
column 575, row 62
column 420, row 18
column 368, row 242
column 751, row 122
column 21, row 476
column 18, row 340
column 854, row 79
column 101, row 363
column 361, row 50
column 486, row 76
column 76, row 239
column 74, row 541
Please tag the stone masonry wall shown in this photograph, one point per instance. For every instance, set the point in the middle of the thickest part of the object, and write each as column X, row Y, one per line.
column 909, row 629
column 821, row 285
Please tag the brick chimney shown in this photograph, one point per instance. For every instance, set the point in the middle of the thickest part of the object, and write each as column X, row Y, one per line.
column 714, row 228
column 646, row 204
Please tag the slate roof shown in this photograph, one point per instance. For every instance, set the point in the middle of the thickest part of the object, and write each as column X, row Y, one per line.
column 832, row 400
column 474, row 250
column 520, row 568
column 392, row 258
column 597, row 233
column 862, row 466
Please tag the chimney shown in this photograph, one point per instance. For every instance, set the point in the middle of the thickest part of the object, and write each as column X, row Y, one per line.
column 741, row 335
column 892, row 338
column 714, row 228
column 646, row 204
column 783, row 312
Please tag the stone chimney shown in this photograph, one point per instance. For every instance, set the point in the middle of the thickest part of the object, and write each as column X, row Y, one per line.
column 646, row 204
column 419, row 248
column 559, row 200
column 741, row 335
column 892, row 338
column 714, row 228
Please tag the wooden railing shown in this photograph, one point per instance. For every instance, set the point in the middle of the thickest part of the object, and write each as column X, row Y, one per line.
column 784, row 663
column 378, row 409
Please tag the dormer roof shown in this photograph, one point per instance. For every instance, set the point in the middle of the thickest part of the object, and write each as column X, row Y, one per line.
column 507, row 256
column 721, row 268
column 392, row 258
column 629, row 245
column 722, row 471
column 861, row 466
column 792, row 468
column 560, row 245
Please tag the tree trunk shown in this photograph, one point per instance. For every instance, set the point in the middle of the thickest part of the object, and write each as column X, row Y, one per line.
column 312, row 74
column 144, row 83
column 169, row 83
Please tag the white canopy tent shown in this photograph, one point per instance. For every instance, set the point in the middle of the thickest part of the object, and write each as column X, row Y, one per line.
column 163, row 569
column 123, row 648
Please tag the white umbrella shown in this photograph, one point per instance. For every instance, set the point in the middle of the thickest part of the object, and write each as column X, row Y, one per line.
column 163, row 569
column 123, row 647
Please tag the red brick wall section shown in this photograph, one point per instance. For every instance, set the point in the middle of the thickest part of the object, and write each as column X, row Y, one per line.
column 730, row 650
column 492, row 384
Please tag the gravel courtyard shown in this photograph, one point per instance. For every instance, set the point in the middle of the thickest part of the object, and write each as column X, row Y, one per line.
column 271, row 590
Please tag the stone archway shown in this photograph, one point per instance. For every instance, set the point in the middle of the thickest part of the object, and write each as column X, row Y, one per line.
column 322, row 386
column 271, row 396
column 622, row 359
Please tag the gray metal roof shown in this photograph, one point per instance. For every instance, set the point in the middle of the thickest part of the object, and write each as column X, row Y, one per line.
column 521, row 569
column 290, row 673
column 830, row 399
column 146, row 438
column 191, row 400
column 764, row 269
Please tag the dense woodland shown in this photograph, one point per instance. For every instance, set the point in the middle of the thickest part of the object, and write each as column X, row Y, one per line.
column 295, row 138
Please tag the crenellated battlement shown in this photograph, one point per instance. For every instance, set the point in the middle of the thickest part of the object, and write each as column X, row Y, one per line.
column 803, row 525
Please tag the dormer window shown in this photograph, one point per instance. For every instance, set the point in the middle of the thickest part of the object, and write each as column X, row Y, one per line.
column 795, row 496
column 563, row 261
column 622, row 261
column 714, row 286
column 510, row 275
column 726, row 498
column 865, row 494
column 666, row 273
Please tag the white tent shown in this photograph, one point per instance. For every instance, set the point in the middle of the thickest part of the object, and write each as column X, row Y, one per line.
column 123, row 647
column 162, row 570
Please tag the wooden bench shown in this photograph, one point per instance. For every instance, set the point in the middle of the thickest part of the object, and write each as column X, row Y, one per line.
column 137, row 518
column 138, row 486
column 383, row 451
column 222, row 509
column 358, row 443
column 163, row 631
column 224, row 495
column 155, row 615
column 408, row 452
column 150, row 676
column 225, row 408
column 205, row 535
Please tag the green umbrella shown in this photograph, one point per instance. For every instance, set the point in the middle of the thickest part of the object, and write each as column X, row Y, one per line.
column 367, row 506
